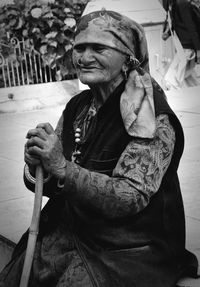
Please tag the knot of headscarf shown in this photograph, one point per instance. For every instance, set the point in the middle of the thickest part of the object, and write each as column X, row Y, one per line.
column 137, row 105
column 125, row 35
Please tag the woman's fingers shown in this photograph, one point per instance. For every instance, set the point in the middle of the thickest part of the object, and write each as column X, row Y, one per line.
column 46, row 127
column 30, row 159
column 43, row 146
column 33, row 148
column 35, row 151
column 42, row 131
column 39, row 132
column 35, row 141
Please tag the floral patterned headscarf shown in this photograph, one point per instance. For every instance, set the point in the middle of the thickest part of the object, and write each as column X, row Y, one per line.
column 125, row 35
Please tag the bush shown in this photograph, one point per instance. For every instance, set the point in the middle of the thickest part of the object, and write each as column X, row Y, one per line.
column 47, row 25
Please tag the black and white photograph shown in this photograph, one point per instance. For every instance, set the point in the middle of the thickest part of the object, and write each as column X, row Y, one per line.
column 99, row 143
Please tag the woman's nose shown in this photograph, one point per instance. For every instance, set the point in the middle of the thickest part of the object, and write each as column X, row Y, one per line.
column 87, row 56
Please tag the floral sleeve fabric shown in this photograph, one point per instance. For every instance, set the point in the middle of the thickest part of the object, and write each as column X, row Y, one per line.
column 136, row 177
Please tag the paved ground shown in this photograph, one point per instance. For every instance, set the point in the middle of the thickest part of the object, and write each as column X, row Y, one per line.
column 16, row 202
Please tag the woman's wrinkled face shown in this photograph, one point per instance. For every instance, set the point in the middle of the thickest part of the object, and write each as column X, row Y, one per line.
column 97, row 64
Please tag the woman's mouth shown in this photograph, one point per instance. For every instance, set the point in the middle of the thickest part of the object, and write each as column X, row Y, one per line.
column 87, row 68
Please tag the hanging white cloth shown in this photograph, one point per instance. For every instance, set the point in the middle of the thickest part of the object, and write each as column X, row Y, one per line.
column 181, row 72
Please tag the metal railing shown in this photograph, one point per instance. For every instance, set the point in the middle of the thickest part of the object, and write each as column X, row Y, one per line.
column 25, row 67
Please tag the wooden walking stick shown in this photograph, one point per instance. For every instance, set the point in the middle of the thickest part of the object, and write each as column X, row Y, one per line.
column 34, row 227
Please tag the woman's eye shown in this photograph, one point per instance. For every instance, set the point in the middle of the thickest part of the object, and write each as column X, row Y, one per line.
column 79, row 48
column 99, row 48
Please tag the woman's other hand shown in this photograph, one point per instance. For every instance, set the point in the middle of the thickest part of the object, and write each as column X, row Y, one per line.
column 44, row 147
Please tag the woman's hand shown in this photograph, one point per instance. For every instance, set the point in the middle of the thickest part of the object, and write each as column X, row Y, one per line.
column 44, row 147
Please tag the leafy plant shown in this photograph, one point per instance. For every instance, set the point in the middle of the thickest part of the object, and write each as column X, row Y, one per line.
column 47, row 25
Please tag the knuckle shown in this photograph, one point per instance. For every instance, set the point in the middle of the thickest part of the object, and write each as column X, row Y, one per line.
column 40, row 125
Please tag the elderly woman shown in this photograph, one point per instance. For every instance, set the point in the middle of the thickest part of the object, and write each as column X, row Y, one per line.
column 115, row 214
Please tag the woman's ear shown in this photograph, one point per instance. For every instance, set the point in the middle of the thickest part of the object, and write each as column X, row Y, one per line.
column 125, row 70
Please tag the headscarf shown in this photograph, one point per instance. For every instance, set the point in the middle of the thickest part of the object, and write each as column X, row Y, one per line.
column 125, row 35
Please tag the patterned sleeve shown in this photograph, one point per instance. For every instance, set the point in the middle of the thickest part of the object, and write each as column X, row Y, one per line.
column 136, row 177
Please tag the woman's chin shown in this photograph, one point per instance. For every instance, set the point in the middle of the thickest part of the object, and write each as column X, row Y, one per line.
column 90, row 79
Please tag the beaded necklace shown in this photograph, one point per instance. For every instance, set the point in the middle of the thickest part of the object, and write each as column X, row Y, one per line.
column 81, row 128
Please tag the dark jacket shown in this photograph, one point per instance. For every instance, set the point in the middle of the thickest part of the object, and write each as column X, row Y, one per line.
column 184, row 24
